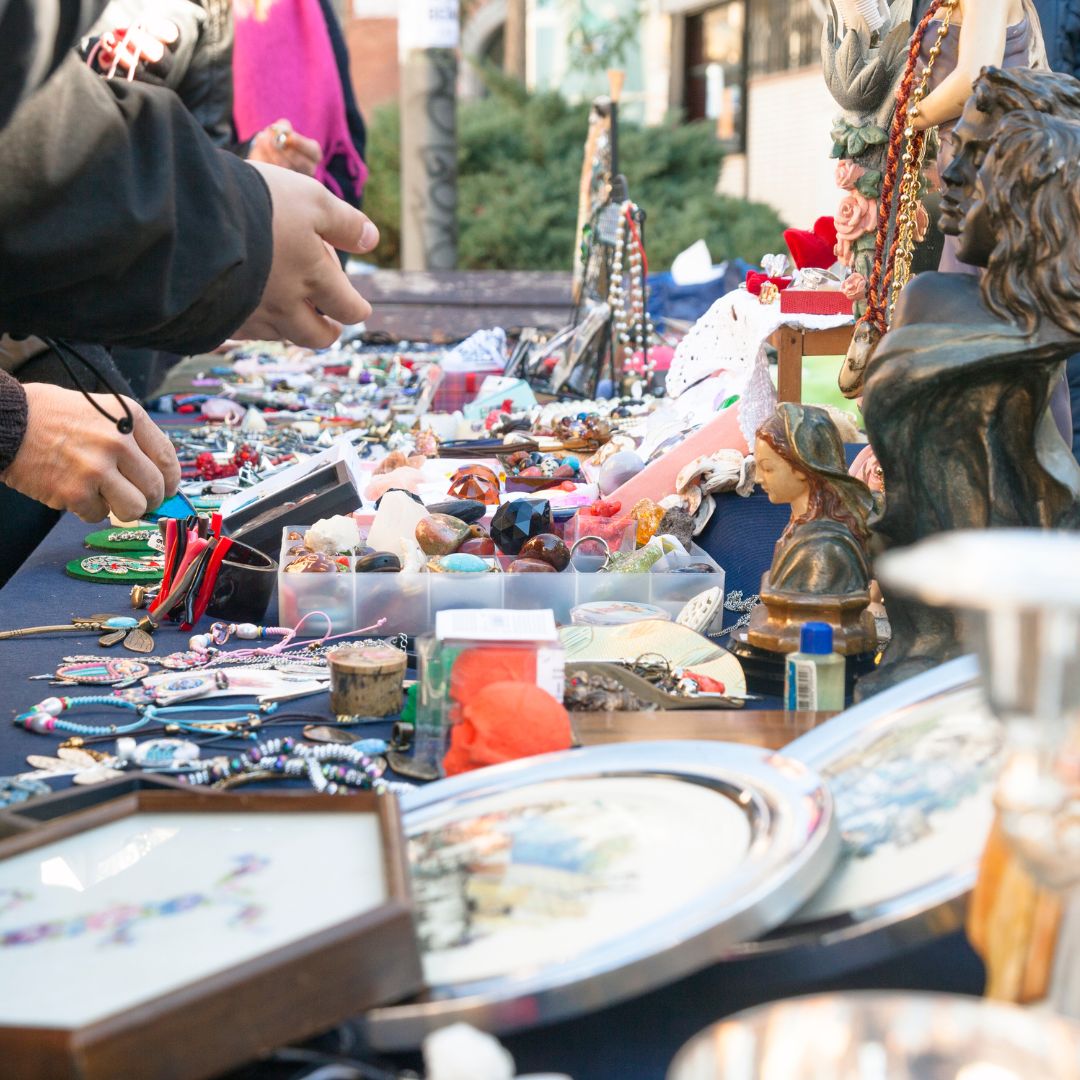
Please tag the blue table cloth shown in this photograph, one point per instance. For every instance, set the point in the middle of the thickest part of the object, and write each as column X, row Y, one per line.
column 635, row 1040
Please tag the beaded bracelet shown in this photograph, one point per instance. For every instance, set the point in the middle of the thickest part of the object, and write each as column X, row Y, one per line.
column 328, row 767
column 44, row 718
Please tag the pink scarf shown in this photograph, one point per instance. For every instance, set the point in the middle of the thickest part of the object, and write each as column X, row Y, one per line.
column 283, row 67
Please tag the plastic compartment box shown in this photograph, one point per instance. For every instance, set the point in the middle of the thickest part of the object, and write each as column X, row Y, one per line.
column 409, row 601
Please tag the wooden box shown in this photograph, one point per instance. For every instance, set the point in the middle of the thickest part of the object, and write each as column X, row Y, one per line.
column 181, row 934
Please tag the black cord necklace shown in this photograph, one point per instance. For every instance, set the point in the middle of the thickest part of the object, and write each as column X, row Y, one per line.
column 124, row 424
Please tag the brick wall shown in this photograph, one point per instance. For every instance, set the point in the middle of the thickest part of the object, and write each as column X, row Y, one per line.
column 373, row 58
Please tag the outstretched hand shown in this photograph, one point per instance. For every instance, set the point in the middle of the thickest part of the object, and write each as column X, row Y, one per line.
column 308, row 296
column 73, row 458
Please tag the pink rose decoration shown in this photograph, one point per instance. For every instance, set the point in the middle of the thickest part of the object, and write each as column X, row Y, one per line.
column 857, row 215
column 848, row 174
column 854, row 287
column 922, row 223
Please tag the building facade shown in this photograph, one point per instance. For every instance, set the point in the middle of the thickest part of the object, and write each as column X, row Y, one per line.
column 751, row 66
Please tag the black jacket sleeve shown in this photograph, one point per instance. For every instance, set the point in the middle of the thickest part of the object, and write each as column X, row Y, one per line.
column 121, row 224
column 35, row 36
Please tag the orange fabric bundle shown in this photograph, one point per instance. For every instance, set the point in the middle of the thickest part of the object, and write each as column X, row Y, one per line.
column 503, row 722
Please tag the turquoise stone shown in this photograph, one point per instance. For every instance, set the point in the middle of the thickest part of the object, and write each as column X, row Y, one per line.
column 121, row 622
column 462, row 563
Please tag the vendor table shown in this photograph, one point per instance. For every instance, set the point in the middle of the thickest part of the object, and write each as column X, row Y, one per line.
column 635, row 1040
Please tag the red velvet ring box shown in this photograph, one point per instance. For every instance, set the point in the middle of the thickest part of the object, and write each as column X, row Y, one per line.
column 815, row 302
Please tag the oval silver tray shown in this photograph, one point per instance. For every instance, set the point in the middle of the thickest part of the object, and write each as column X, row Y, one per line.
column 793, row 845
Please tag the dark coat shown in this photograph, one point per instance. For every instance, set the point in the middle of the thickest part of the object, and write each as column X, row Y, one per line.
column 120, row 222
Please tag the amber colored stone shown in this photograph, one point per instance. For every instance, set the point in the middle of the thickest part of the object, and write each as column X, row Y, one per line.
column 475, row 487
column 649, row 516
column 530, row 566
column 547, row 547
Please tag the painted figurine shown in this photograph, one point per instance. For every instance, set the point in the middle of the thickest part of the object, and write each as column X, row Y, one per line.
column 820, row 569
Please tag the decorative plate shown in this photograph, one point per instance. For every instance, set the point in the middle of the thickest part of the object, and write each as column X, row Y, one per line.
column 912, row 771
column 553, row 886
column 615, row 613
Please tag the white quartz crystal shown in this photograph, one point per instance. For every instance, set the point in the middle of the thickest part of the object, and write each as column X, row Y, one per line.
column 338, row 535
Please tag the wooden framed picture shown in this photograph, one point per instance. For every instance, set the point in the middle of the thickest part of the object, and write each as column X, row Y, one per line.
column 180, row 934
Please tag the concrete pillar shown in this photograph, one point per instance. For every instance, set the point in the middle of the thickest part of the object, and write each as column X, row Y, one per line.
column 429, row 159
column 514, row 39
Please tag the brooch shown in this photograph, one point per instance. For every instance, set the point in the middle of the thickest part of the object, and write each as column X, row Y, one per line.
column 117, row 568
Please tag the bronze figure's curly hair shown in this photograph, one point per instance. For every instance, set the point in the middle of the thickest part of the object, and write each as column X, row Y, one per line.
column 1002, row 90
column 825, row 501
column 1030, row 181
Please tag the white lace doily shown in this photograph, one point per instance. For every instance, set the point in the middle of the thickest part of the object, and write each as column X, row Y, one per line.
column 730, row 337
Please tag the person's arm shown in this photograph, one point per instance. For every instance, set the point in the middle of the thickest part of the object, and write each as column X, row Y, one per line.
column 982, row 42
column 121, row 224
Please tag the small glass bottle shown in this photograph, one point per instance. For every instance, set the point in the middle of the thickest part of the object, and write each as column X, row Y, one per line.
column 814, row 676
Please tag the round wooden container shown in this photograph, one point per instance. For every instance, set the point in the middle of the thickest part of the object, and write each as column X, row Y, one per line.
column 366, row 681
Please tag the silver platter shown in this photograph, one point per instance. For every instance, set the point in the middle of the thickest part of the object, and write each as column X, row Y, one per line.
column 780, row 810
column 861, row 930
column 873, row 1033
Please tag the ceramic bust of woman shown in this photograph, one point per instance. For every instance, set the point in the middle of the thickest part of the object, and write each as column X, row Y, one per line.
column 800, row 461
column 820, row 570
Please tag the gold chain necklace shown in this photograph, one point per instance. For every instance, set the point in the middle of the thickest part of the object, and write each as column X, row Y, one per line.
column 911, row 180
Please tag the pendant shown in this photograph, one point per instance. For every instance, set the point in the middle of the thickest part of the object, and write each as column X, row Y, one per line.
column 139, row 641
column 83, row 766
column 112, row 672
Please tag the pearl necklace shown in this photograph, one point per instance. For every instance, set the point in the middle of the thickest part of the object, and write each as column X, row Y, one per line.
column 631, row 322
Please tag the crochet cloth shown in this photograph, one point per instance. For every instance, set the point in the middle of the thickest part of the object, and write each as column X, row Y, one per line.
column 731, row 337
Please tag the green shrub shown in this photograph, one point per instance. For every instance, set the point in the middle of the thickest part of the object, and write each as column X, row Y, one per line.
column 519, row 161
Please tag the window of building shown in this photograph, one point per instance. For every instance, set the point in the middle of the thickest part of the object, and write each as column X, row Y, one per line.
column 715, row 70
column 784, row 35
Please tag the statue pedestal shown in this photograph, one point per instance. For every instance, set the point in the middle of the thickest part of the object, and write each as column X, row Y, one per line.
column 777, row 622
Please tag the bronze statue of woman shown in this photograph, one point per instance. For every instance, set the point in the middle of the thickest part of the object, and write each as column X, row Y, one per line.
column 956, row 402
column 820, row 568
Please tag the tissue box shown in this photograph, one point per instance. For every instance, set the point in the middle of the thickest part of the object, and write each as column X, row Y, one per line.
column 815, row 302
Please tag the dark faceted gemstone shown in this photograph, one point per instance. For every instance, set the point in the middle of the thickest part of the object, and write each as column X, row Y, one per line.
column 517, row 521
column 467, row 510
column 694, row 568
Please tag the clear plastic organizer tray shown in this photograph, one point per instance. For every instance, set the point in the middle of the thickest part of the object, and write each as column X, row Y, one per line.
column 409, row 601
